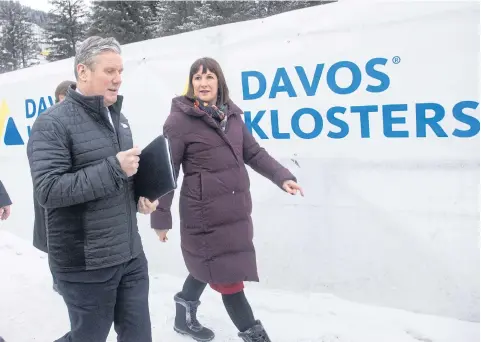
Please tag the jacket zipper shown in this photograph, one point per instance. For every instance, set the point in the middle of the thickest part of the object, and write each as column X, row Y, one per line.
column 130, row 227
column 127, row 203
column 127, row 194
column 223, row 134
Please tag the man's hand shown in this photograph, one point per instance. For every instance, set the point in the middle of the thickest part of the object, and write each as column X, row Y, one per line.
column 162, row 234
column 292, row 187
column 146, row 207
column 129, row 161
column 4, row 213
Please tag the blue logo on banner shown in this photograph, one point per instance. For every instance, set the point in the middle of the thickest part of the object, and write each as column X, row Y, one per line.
column 10, row 130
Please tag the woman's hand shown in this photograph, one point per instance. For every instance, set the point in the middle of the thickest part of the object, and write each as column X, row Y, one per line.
column 292, row 187
column 162, row 234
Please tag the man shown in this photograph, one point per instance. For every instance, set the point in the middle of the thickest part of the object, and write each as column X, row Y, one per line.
column 5, row 203
column 82, row 160
column 39, row 228
column 61, row 90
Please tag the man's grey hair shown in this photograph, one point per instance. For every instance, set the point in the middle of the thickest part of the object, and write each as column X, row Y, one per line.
column 92, row 47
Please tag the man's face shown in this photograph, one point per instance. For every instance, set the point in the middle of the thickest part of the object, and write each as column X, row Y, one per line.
column 103, row 78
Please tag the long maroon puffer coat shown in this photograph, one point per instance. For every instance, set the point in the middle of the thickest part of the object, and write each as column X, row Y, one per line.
column 215, row 201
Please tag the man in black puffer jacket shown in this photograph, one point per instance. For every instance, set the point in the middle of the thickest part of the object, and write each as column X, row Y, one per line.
column 5, row 204
column 39, row 229
column 82, row 161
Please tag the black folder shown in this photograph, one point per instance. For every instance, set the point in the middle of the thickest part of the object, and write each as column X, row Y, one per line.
column 155, row 176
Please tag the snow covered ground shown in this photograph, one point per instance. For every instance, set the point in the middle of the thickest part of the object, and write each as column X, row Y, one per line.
column 31, row 311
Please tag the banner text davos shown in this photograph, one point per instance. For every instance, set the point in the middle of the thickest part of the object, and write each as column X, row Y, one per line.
column 394, row 116
column 428, row 116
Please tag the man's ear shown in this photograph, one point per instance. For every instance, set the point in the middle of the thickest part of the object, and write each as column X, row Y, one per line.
column 82, row 72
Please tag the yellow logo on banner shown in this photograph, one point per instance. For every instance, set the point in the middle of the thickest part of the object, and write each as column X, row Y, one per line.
column 4, row 111
column 8, row 128
column 186, row 88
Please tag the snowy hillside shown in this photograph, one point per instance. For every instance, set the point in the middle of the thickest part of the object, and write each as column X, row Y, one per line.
column 36, row 313
column 37, row 30
column 39, row 35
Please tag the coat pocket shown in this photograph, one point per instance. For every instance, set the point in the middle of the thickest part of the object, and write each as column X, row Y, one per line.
column 201, row 186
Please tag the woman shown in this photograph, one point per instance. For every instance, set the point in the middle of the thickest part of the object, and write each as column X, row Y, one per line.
column 209, row 138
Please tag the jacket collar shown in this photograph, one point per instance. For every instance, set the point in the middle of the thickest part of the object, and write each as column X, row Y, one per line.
column 94, row 103
column 186, row 105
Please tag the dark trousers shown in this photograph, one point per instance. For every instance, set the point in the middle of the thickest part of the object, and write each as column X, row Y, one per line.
column 96, row 299
column 53, row 278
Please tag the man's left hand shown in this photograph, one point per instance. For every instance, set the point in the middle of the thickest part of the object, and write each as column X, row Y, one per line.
column 146, row 207
column 4, row 213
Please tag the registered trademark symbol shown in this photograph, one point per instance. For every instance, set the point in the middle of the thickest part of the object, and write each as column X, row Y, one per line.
column 396, row 59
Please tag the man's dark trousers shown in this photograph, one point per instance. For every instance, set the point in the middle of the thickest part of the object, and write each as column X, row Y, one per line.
column 96, row 299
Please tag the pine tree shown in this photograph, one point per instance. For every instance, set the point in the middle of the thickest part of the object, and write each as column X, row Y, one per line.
column 29, row 44
column 162, row 17
column 18, row 45
column 248, row 10
column 127, row 21
column 131, row 21
column 204, row 16
column 183, row 16
column 66, row 27
column 234, row 11
column 276, row 7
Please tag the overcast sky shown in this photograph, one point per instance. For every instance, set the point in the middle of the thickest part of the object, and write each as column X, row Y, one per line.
column 43, row 5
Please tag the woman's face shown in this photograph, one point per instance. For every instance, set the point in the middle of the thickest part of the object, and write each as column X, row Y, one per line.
column 205, row 86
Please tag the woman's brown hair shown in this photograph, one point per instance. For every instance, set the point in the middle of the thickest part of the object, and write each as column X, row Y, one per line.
column 210, row 64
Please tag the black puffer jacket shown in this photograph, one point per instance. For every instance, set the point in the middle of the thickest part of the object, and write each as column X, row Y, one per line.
column 90, row 203
column 39, row 228
column 4, row 198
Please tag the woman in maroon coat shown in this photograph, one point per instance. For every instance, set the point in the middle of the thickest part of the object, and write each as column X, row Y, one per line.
column 210, row 140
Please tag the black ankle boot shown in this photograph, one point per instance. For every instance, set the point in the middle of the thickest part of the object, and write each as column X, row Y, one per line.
column 186, row 322
column 256, row 333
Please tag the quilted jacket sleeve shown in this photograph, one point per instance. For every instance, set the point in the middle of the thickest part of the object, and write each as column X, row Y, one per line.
column 4, row 198
column 54, row 183
column 262, row 162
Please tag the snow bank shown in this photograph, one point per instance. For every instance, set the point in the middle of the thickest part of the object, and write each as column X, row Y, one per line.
column 31, row 311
